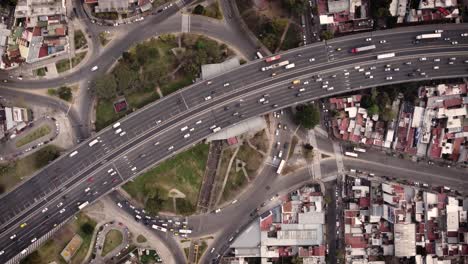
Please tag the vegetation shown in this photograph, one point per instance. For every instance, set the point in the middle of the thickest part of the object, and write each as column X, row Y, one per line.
column 213, row 10
column 141, row 239
column 380, row 103
column 138, row 74
column 292, row 38
column 50, row 250
column 297, row 7
column 113, row 239
column 78, row 58
column 380, row 8
column 326, row 35
column 80, row 39
column 104, row 38
column 307, row 115
column 41, row 72
column 64, row 93
column 107, row 15
column 183, row 172
column 37, row 133
column 13, row 172
column 63, row 65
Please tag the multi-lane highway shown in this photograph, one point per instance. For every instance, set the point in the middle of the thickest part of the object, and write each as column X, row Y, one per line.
column 158, row 131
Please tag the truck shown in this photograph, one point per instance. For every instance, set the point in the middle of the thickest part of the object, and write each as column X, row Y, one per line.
column 162, row 229
column 83, row 205
column 385, row 56
column 280, row 64
column 296, row 82
column 281, row 166
column 429, row 36
column 274, row 58
column 361, row 49
column 290, row 66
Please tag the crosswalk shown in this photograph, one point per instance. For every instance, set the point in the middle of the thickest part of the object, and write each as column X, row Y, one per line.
column 185, row 23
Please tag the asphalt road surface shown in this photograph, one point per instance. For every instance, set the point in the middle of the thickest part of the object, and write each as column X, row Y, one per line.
column 158, row 130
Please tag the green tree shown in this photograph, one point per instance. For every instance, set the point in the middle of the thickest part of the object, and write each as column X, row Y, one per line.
column 87, row 228
column 125, row 77
column 105, row 86
column 33, row 258
column 307, row 116
column 65, row 93
column 373, row 109
column 326, row 35
column 387, row 114
column 295, row 6
column 199, row 10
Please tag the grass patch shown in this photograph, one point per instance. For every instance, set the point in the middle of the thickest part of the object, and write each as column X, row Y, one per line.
column 105, row 114
column 201, row 249
column 183, row 172
column 152, row 257
column 292, row 38
column 33, row 135
column 63, row 65
column 260, row 141
column 141, row 239
column 113, row 239
column 177, row 84
column 212, row 10
column 106, row 15
column 80, row 39
column 137, row 100
column 78, row 58
column 187, row 252
column 292, row 146
column 41, row 72
column 251, row 157
column 50, row 250
column 13, row 172
column 104, row 38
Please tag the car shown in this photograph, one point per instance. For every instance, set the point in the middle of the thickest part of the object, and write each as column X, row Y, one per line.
column 367, row 73
column 438, row 31
column 370, row 77
column 333, row 76
column 466, row 61
column 298, row 95
column 361, row 70
column 447, row 39
column 372, row 68
column 187, row 135
column 23, row 225
column 338, row 49
column 45, row 210
column 209, row 82
column 423, row 59
column 208, row 98
column 436, row 59
column 415, row 41
column 464, row 34
column 285, row 127
column 388, row 69
column 2, row 252
column 94, row 68
column 368, row 39
column 454, row 42
column 311, row 59
column 273, row 74
column 226, row 84
column 13, row 236
column 436, row 67
column 306, row 82
column 276, row 132
column 217, row 211
column 212, row 250
column 423, row 73
column 383, row 41
column 302, row 89
column 389, row 78
column 59, row 204
column 451, row 62
column 170, row 148
column 396, row 69
column 408, row 63
column 33, row 240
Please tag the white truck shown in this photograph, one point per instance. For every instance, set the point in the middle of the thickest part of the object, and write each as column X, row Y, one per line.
column 279, row 64
column 429, row 36
column 290, row 66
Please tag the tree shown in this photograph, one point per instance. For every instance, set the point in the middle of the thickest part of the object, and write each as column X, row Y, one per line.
column 33, row 258
column 387, row 114
column 125, row 77
column 373, row 109
column 199, row 10
column 87, row 228
column 307, row 116
column 65, row 93
column 326, row 35
column 105, row 86
column 295, row 6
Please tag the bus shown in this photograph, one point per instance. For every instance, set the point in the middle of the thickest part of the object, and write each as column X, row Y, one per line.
column 83, row 205
column 259, row 55
column 385, row 56
column 281, row 166
column 351, row 154
column 360, row 150
column 429, row 36
column 274, row 58
column 162, row 229
column 185, row 231
column 94, row 142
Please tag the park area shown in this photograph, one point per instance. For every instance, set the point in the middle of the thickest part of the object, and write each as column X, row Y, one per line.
column 14, row 172
column 36, row 133
column 113, row 239
column 50, row 250
column 160, row 67
column 181, row 175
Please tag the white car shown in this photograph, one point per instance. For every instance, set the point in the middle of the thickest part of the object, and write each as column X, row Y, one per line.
column 396, row 69
column 118, row 131
column 226, row 84
column 423, row 59
column 45, row 210
column 13, row 236
column 388, row 69
column 218, row 210
column 438, row 31
column 123, row 133
column 62, row 211
column 170, row 148
column 454, row 42
column 370, row 77
column 208, row 98
column 311, row 59
column 306, row 82
column 302, row 90
column 94, row 68
column 436, row 60
column 2, row 252
column 383, row 41
column 464, row 34
column 60, row 204
column 277, row 132
column 389, row 78
column 368, row 39
column 198, row 122
column 87, row 189
column 436, row 67
column 34, row 239
column 187, row 135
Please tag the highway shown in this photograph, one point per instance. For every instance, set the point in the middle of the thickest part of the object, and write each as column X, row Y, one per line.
column 156, row 129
